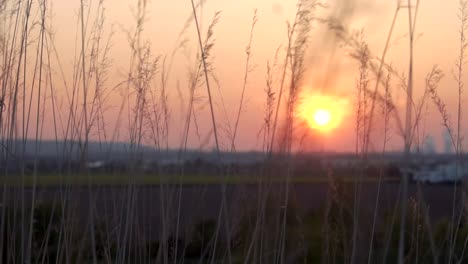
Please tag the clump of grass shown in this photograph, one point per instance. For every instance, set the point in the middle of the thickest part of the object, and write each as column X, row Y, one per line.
column 269, row 107
column 434, row 77
column 459, row 65
column 362, row 98
column 362, row 123
column 298, row 40
column 339, row 220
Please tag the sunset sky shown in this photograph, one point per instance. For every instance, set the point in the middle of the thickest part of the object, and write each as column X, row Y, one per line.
column 330, row 71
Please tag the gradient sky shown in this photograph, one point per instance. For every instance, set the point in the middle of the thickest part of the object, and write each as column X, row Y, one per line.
column 437, row 43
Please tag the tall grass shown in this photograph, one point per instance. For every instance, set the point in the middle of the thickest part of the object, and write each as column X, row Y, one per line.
column 134, row 223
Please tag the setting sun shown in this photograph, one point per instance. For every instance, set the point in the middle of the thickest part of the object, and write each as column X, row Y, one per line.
column 322, row 117
column 322, row 112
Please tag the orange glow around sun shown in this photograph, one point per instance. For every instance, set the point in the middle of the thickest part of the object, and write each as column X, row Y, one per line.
column 322, row 112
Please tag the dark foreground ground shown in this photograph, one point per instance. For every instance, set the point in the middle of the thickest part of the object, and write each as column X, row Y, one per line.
column 319, row 219
column 202, row 202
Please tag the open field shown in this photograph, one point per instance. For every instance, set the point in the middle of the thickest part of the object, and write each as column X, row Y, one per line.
column 76, row 180
column 202, row 201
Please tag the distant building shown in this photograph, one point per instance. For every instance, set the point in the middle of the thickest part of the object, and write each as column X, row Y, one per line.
column 95, row 164
column 434, row 172
column 429, row 146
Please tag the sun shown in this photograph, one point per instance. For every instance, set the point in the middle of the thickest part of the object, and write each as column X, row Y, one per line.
column 322, row 117
column 321, row 112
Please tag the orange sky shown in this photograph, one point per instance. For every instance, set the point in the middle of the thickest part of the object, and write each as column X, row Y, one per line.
column 437, row 43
